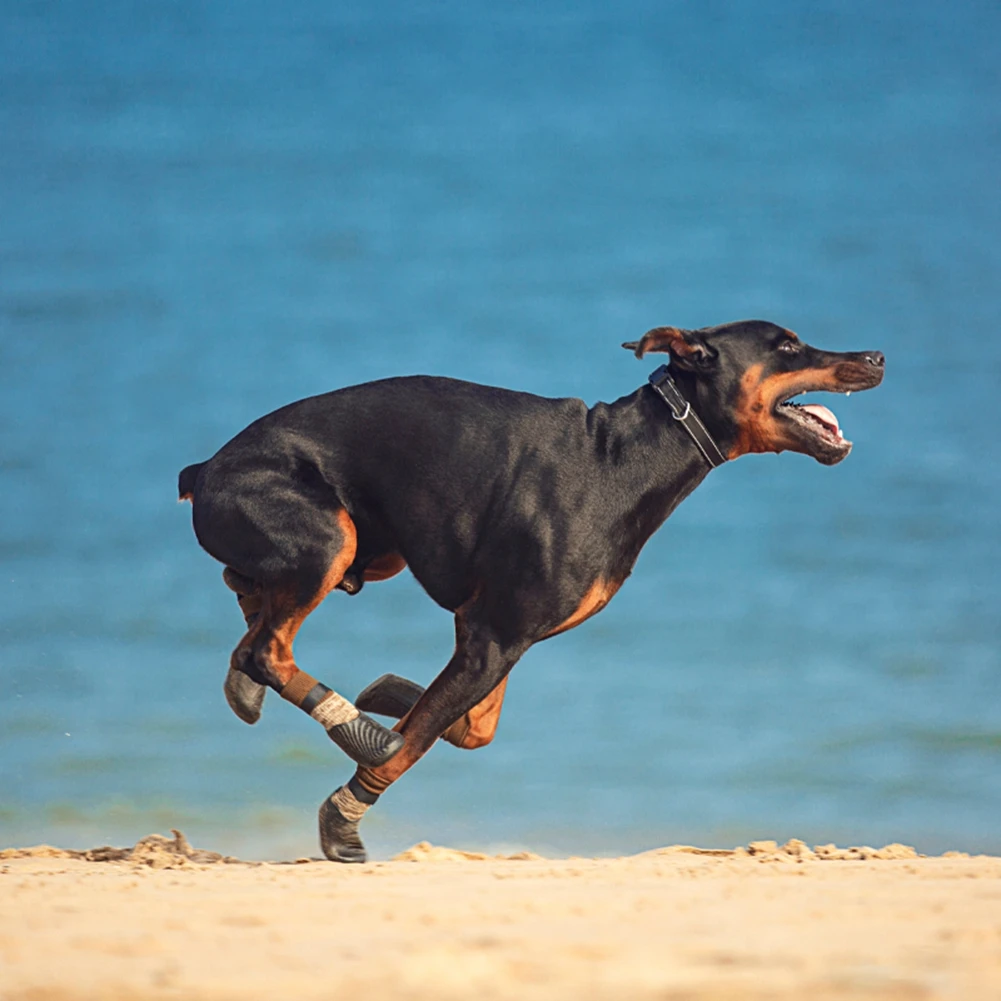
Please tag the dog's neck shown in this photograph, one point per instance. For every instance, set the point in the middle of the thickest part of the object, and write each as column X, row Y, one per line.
column 647, row 459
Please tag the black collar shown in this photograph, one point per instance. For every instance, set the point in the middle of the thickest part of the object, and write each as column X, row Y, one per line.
column 682, row 411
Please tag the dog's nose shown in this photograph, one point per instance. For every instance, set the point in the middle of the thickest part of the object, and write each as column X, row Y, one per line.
column 875, row 358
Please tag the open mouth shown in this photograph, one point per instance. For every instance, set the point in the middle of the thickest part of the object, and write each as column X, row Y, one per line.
column 814, row 418
column 815, row 428
column 811, row 427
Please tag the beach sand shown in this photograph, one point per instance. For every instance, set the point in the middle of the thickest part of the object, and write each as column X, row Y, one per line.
column 165, row 921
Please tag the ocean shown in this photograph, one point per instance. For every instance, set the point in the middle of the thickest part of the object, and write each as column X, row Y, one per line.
column 208, row 211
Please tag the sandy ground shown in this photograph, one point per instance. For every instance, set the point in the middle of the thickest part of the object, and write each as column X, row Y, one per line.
column 164, row 921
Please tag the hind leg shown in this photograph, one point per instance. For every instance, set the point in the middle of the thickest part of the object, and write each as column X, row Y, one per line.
column 474, row 676
column 244, row 695
column 265, row 656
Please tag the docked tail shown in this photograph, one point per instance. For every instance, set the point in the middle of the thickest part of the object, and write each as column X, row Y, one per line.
column 186, row 481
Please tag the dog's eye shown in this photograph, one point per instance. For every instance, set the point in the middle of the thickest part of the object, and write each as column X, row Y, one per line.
column 789, row 347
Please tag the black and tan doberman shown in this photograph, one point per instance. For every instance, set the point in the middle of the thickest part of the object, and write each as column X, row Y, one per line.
column 521, row 515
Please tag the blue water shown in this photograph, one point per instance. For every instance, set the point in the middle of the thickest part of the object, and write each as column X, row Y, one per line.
column 207, row 211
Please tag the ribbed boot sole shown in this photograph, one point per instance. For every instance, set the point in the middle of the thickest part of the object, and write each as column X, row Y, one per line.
column 365, row 741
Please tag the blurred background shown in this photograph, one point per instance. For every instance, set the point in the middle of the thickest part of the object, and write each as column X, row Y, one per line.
column 207, row 211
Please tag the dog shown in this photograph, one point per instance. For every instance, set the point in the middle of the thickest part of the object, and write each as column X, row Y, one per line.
column 521, row 515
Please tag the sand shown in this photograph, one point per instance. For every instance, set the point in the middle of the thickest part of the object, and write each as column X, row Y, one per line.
column 164, row 921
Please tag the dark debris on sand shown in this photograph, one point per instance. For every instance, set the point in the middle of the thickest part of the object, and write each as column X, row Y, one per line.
column 154, row 851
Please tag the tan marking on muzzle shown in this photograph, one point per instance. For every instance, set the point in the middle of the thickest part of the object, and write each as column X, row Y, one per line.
column 757, row 427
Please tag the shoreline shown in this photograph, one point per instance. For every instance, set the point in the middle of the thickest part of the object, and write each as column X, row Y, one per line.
column 165, row 920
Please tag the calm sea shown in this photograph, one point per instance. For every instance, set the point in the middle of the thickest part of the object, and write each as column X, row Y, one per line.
column 209, row 210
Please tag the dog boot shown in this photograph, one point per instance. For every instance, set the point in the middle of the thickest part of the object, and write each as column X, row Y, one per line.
column 390, row 695
column 340, row 815
column 394, row 696
column 357, row 735
column 244, row 695
column 365, row 741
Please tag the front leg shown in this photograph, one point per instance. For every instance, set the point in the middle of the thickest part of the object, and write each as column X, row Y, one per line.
column 394, row 696
column 478, row 669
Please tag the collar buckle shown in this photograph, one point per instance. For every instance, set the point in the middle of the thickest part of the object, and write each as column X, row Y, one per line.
column 681, row 410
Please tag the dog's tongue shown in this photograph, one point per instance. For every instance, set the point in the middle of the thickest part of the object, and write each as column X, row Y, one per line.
column 822, row 414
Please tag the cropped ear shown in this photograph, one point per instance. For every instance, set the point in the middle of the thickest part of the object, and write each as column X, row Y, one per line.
column 685, row 347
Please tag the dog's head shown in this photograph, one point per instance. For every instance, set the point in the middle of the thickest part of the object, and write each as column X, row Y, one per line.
column 741, row 378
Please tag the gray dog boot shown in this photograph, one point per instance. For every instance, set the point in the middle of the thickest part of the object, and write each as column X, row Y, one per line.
column 340, row 815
